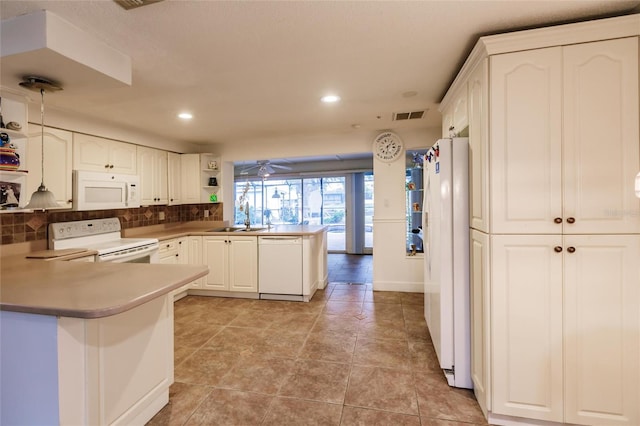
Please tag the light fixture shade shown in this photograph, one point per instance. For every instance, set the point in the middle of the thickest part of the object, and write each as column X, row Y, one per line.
column 42, row 199
column 275, row 193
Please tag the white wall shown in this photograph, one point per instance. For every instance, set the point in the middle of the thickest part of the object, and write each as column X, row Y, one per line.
column 349, row 142
column 393, row 270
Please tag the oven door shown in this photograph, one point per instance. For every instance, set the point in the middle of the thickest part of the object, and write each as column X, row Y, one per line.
column 145, row 254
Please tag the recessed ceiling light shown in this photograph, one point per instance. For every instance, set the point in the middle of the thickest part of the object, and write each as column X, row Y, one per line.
column 330, row 99
column 185, row 116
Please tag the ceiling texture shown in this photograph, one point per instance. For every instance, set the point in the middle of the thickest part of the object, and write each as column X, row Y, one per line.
column 253, row 69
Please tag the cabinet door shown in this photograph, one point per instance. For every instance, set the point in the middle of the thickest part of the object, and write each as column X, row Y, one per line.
column 103, row 155
column 183, row 252
column 215, row 254
column 190, row 182
column 447, row 121
column 194, row 257
column 90, row 153
column 174, row 182
column 526, row 326
column 58, row 155
column 243, row 264
column 478, row 88
column 152, row 169
column 168, row 252
column 480, row 309
column 601, row 150
column 146, row 160
column 602, row 329
column 122, row 157
column 161, row 183
column 460, row 112
column 525, row 155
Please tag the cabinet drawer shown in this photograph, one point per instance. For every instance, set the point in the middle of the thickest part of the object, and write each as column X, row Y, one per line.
column 168, row 247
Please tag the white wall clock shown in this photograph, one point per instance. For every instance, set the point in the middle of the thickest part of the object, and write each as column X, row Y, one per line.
column 387, row 147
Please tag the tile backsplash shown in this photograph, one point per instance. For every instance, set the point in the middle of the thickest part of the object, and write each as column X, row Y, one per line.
column 21, row 227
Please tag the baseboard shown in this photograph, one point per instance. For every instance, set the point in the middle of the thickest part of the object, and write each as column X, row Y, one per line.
column 404, row 287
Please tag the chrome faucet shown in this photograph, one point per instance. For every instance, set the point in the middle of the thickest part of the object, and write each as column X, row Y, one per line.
column 247, row 220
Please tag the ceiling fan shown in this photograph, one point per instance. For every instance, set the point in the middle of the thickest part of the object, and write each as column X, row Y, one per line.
column 264, row 168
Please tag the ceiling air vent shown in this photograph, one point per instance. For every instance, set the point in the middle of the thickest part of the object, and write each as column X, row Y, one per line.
column 408, row 115
column 132, row 4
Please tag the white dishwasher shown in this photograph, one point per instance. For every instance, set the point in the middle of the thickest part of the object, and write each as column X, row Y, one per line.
column 280, row 267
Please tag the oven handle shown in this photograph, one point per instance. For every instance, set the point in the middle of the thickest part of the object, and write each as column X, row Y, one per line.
column 129, row 255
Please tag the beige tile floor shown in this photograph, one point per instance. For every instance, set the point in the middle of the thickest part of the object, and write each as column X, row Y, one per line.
column 351, row 356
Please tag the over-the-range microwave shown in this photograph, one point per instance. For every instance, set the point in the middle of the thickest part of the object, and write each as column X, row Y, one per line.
column 104, row 191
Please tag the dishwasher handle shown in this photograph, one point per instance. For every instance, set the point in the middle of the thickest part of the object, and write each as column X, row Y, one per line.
column 279, row 240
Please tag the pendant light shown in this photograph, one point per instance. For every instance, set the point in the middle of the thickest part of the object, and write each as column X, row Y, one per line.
column 42, row 198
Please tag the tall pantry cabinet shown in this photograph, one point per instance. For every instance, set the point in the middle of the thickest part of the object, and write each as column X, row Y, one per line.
column 555, row 225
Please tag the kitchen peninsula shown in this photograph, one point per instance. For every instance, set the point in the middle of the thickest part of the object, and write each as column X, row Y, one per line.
column 86, row 343
column 241, row 261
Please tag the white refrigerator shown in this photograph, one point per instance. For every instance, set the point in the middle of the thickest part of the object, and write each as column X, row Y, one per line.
column 445, row 225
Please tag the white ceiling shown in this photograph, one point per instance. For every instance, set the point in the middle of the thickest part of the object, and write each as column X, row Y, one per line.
column 248, row 70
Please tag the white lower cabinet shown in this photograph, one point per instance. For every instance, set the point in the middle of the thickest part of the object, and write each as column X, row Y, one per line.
column 171, row 252
column 194, row 257
column 526, row 326
column 564, row 327
column 480, row 308
column 175, row 252
column 233, row 263
column 602, row 329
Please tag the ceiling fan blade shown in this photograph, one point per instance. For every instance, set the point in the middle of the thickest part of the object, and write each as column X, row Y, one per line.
column 278, row 166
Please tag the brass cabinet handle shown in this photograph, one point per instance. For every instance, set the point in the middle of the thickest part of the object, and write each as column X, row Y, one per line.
column 557, row 249
column 571, row 249
column 571, row 220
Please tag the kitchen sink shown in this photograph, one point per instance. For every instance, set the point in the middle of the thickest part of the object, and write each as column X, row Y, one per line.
column 243, row 229
column 236, row 229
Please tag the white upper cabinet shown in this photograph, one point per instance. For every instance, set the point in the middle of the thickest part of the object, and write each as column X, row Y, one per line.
column 153, row 171
column 456, row 115
column 174, row 182
column 564, row 161
column 478, row 102
column 526, row 152
column 190, row 182
column 600, row 140
column 103, row 155
column 58, row 154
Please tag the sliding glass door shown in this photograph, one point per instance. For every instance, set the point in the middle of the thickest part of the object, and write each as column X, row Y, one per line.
column 325, row 200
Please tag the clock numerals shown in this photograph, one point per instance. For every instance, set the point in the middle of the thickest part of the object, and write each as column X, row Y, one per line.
column 387, row 147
